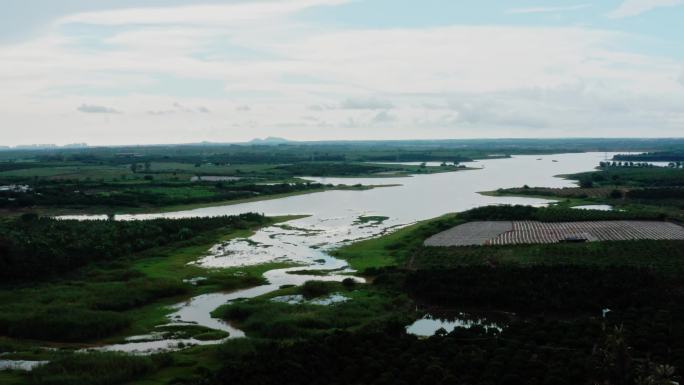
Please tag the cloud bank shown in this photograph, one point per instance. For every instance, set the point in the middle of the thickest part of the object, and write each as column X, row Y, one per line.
column 233, row 71
column 94, row 109
column 631, row 8
column 548, row 9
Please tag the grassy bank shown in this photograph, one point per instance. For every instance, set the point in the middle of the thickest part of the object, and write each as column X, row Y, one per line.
column 395, row 247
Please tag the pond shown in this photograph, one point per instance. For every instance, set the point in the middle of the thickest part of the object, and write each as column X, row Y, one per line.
column 594, row 207
column 334, row 221
column 20, row 365
column 430, row 324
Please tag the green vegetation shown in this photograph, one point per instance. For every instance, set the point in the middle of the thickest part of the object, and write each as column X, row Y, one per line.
column 656, row 156
column 538, row 288
column 112, row 293
column 633, row 177
column 103, row 182
column 111, row 197
column 33, row 247
column 67, row 283
column 396, row 246
column 628, row 188
column 546, row 351
column 400, row 247
column 557, row 292
column 661, row 256
column 364, row 306
column 150, row 178
column 96, row 369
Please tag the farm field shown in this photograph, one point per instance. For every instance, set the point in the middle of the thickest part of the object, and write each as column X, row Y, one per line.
column 529, row 232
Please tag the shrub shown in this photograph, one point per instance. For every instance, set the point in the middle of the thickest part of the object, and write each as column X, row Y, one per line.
column 62, row 324
column 313, row 289
column 94, row 369
column 348, row 283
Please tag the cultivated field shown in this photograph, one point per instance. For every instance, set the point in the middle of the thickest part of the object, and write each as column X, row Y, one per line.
column 526, row 232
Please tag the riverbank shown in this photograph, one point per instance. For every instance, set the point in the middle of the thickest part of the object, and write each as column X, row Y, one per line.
column 101, row 211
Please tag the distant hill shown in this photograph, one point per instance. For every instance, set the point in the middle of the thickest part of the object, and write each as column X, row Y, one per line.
column 269, row 140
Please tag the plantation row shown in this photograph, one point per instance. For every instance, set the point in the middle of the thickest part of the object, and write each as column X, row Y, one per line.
column 525, row 232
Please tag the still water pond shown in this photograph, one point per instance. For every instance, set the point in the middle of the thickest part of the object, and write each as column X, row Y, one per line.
column 334, row 221
column 430, row 324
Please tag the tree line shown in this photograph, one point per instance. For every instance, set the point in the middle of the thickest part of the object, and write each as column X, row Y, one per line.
column 85, row 194
column 33, row 247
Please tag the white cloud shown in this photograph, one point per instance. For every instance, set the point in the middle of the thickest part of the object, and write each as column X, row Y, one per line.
column 161, row 112
column 384, row 117
column 179, row 108
column 630, row 8
column 436, row 82
column 182, row 108
column 95, row 109
column 548, row 9
column 366, row 104
column 321, row 107
column 230, row 14
column 243, row 108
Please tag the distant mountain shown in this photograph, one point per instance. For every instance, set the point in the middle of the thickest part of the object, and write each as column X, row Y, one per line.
column 76, row 145
column 269, row 140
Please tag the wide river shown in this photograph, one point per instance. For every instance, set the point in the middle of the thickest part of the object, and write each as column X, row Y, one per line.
column 334, row 221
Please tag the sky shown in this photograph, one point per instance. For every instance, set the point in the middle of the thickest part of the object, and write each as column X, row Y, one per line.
column 112, row 72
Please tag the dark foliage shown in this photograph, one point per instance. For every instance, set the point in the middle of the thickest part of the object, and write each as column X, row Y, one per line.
column 637, row 177
column 660, row 156
column 339, row 169
column 541, row 351
column 659, row 256
column 54, row 323
column 656, row 193
column 550, row 214
column 555, row 289
column 96, row 369
column 85, row 194
column 33, row 248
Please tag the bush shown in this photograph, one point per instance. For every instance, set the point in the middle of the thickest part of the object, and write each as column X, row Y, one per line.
column 62, row 324
column 616, row 194
column 313, row 289
column 348, row 283
column 95, row 369
column 127, row 295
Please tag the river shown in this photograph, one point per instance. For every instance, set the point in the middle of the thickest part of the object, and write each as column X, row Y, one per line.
column 334, row 220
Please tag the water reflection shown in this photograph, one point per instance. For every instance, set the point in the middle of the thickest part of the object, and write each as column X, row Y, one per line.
column 594, row 207
column 20, row 365
column 430, row 324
